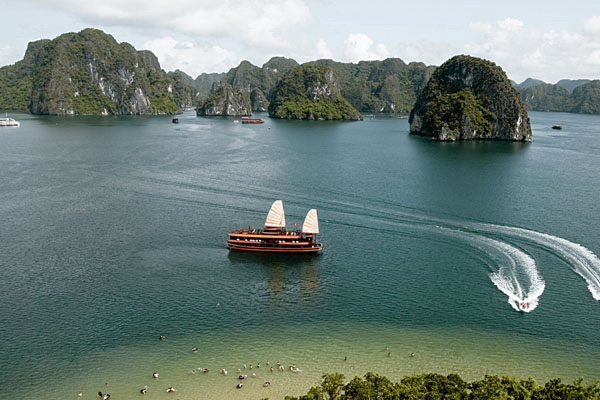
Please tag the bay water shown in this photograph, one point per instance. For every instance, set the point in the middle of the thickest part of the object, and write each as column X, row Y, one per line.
column 113, row 233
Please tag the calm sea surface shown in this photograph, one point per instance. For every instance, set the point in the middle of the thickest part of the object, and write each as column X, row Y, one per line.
column 112, row 233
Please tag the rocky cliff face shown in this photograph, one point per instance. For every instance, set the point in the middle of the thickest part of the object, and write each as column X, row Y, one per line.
column 310, row 91
column 226, row 101
column 388, row 86
column 259, row 100
column 90, row 73
column 259, row 81
column 470, row 98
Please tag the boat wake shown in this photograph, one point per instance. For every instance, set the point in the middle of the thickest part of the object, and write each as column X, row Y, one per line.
column 583, row 261
column 515, row 272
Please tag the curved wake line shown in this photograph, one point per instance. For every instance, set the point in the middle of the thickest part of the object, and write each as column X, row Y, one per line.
column 517, row 275
column 583, row 261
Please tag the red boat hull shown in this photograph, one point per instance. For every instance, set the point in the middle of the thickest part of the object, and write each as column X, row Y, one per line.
column 273, row 242
column 264, row 249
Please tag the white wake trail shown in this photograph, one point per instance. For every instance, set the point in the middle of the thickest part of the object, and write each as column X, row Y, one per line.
column 517, row 275
column 583, row 261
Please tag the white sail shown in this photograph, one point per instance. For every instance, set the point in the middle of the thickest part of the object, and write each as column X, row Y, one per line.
column 276, row 216
column 311, row 222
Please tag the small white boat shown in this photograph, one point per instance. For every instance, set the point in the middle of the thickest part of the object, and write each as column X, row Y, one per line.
column 6, row 121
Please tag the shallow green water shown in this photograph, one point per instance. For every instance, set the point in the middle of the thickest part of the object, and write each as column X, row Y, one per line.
column 114, row 233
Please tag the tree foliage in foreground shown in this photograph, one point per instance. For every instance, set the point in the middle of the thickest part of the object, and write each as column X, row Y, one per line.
column 450, row 387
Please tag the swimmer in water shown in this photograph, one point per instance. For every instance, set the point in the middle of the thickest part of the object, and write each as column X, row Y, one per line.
column 143, row 390
column 170, row 389
column 240, row 385
column 267, row 384
column 155, row 375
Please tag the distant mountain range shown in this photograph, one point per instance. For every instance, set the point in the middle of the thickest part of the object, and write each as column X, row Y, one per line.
column 90, row 73
column 567, row 95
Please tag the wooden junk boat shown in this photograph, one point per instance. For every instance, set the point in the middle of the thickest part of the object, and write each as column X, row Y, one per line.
column 274, row 238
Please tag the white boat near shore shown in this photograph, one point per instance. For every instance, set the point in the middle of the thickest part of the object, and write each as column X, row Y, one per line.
column 6, row 121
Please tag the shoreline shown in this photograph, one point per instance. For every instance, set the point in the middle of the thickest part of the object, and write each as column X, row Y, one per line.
column 126, row 370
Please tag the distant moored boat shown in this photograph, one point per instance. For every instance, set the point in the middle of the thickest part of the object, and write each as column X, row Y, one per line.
column 6, row 121
column 248, row 120
column 556, row 127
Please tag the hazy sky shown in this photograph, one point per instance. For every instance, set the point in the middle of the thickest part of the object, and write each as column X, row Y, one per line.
column 548, row 40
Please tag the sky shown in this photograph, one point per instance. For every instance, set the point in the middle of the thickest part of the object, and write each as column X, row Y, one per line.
column 548, row 40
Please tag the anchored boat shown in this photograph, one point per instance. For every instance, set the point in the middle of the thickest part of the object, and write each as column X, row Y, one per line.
column 275, row 238
column 6, row 121
column 248, row 120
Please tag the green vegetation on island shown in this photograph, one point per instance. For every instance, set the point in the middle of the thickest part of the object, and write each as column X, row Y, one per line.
column 470, row 98
column 388, row 86
column 87, row 72
column 580, row 96
column 310, row 91
column 450, row 387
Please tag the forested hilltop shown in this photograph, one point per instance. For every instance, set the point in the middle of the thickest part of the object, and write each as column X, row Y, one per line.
column 576, row 96
column 85, row 73
column 450, row 387
column 470, row 98
column 89, row 72
column 310, row 91
column 388, row 86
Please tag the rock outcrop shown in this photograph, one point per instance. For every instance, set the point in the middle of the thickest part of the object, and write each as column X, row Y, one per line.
column 259, row 100
column 387, row 86
column 226, row 100
column 310, row 91
column 89, row 73
column 470, row 98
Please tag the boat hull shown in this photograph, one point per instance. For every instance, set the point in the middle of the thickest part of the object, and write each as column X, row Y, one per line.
column 314, row 249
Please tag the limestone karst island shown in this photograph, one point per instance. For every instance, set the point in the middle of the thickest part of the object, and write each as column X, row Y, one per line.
column 466, row 98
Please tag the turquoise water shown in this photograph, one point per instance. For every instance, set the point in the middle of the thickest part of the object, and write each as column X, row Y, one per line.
column 113, row 233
